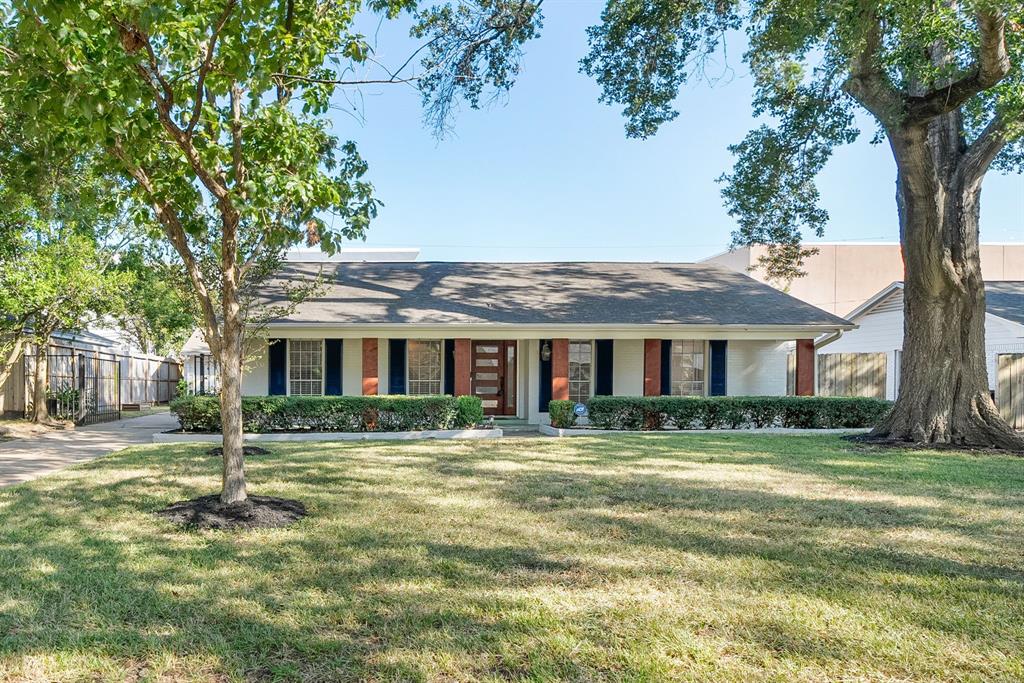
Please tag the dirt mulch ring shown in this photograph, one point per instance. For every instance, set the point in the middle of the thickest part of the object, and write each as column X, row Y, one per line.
column 23, row 429
column 256, row 512
column 875, row 443
column 246, row 451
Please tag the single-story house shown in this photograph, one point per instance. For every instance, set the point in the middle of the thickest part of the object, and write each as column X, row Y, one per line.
column 880, row 329
column 521, row 334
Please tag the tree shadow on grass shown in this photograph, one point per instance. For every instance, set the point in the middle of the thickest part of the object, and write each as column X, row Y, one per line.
column 366, row 589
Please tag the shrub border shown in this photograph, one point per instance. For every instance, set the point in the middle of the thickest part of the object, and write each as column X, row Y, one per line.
column 716, row 413
column 439, row 434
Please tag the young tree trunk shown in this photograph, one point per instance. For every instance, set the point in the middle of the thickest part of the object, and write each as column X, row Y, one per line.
column 943, row 394
column 233, row 479
column 41, row 382
column 9, row 363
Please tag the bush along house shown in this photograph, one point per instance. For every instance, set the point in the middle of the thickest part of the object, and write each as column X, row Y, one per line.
column 521, row 334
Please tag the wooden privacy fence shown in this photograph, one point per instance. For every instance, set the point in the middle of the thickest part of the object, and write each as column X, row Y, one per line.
column 852, row 374
column 106, row 379
column 1010, row 388
column 146, row 380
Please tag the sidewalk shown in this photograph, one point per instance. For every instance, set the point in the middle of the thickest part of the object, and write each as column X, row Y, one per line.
column 26, row 459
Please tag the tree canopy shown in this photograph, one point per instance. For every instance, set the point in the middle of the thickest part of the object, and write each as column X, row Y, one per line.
column 814, row 63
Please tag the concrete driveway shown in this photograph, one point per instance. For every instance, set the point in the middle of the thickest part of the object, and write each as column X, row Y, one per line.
column 26, row 459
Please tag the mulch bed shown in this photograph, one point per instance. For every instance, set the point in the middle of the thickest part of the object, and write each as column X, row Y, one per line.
column 246, row 451
column 256, row 512
column 889, row 444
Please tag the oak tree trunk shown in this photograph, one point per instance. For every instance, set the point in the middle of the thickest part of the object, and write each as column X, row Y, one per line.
column 41, row 382
column 943, row 392
column 233, row 478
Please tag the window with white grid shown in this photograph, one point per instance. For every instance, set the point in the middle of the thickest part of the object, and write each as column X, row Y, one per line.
column 424, row 359
column 581, row 355
column 687, row 367
column 305, row 367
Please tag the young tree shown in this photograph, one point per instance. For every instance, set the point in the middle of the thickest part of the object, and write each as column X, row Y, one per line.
column 216, row 111
column 62, row 282
column 54, row 268
column 157, row 315
column 944, row 82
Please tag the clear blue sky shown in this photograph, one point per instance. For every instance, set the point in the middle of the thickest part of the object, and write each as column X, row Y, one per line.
column 548, row 174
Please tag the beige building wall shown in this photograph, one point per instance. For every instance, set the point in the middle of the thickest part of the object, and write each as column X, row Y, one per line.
column 842, row 276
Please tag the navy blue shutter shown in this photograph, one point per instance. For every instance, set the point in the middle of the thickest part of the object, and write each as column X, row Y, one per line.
column 718, row 385
column 449, row 367
column 666, row 367
column 277, row 383
column 603, row 369
column 396, row 366
column 332, row 367
column 545, row 379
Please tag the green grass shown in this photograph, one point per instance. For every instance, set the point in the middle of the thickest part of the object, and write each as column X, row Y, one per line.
column 725, row 558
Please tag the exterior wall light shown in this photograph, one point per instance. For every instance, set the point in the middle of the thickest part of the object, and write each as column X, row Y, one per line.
column 545, row 352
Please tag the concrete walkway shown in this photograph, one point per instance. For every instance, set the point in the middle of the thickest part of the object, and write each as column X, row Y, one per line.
column 26, row 459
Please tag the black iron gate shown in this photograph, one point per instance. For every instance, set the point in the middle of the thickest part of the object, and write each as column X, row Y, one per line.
column 82, row 387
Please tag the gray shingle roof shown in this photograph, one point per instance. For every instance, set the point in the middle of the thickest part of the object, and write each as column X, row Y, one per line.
column 1005, row 298
column 428, row 293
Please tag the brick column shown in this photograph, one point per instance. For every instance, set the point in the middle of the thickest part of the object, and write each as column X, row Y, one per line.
column 559, row 369
column 371, row 378
column 652, row 367
column 463, row 367
column 805, row 367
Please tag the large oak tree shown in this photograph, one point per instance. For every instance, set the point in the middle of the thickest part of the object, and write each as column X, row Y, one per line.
column 944, row 83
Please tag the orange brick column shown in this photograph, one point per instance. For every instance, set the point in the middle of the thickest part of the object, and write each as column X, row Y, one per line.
column 805, row 367
column 371, row 378
column 559, row 369
column 463, row 368
column 652, row 367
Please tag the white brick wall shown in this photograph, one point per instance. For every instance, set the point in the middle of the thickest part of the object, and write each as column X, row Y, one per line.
column 628, row 367
column 756, row 368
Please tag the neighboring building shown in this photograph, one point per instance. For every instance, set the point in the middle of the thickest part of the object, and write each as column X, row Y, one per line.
column 106, row 377
column 880, row 329
column 199, row 367
column 843, row 275
column 519, row 334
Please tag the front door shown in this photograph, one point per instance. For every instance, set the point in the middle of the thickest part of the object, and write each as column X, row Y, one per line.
column 494, row 376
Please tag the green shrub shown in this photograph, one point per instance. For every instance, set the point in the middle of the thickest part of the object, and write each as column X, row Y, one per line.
column 262, row 414
column 562, row 414
column 733, row 412
column 471, row 411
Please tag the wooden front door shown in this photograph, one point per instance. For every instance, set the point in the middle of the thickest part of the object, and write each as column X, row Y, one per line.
column 494, row 376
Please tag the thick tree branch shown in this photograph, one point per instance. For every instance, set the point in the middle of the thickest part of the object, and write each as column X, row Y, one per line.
column 983, row 151
column 211, row 46
column 991, row 66
column 171, row 225
column 133, row 39
column 237, row 156
column 868, row 83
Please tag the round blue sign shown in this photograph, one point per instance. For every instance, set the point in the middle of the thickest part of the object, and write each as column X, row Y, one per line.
column 580, row 409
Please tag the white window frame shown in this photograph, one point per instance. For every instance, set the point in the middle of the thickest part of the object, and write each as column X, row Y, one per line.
column 705, row 368
column 288, row 366
column 440, row 365
column 590, row 379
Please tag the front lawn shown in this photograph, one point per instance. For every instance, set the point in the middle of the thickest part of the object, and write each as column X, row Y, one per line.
column 718, row 557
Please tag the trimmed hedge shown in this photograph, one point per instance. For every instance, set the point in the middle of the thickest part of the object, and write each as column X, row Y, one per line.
column 261, row 414
column 732, row 412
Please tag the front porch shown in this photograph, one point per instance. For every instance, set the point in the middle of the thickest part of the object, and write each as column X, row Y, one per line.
column 517, row 377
